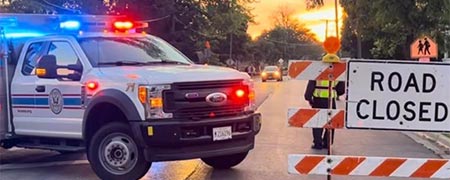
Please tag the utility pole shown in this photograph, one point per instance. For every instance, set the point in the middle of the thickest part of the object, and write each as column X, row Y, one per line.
column 337, row 18
column 326, row 29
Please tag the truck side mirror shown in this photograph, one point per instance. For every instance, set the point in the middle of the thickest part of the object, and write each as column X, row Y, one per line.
column 47, row 68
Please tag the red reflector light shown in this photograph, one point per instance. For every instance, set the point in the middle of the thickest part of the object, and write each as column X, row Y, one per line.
column 92, row 85
column 240, row 93
column 123, row 25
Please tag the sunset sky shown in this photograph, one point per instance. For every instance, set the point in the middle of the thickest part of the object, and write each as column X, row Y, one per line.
column 263, row 10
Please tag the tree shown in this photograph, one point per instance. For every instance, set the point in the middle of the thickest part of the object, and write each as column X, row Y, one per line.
column 289, row 39
column 311, row 4
column 388, row 28
column 286, row 43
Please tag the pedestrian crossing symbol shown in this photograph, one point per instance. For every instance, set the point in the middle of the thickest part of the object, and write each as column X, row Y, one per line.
column 424, row 47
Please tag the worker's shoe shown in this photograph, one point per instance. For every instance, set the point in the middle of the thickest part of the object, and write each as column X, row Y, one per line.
column 316, row 146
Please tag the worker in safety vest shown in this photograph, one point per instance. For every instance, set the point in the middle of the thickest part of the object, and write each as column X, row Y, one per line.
column 317, row 95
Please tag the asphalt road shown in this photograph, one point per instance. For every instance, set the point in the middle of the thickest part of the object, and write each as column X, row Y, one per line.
column 267, row 161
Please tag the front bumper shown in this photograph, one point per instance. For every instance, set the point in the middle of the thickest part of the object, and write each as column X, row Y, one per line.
column 170, row 139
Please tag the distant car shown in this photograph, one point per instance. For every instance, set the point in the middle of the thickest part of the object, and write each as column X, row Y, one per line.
column 271, row 73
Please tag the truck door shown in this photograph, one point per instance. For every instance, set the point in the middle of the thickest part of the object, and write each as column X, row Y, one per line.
column 23, row 90
column 56, row 109
column 61, row 110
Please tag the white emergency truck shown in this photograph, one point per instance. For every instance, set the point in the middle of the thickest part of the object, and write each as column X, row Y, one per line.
column 93, row 83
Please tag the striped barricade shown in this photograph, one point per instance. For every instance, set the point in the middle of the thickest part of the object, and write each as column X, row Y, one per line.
column 316, row 70
column 316, row 118
column 368, row 166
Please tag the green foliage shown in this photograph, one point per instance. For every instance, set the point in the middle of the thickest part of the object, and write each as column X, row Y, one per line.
column 387, row 28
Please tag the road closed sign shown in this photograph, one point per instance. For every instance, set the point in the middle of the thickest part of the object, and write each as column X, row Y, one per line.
column 396, row 95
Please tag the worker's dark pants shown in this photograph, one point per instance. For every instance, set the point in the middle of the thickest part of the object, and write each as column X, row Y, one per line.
column 322, row 103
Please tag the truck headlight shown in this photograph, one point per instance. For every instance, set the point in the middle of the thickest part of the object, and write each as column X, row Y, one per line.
column 251, row 95
column 152, row 100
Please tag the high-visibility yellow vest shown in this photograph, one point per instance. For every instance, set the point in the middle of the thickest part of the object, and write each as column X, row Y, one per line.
column 321, row 90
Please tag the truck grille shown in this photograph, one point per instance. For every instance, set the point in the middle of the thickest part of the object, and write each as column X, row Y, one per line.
column 176, row 102
column 207, row 85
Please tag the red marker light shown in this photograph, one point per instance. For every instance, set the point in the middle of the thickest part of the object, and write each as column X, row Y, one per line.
column 92, row 85
column 240, row 93
column 123, row 25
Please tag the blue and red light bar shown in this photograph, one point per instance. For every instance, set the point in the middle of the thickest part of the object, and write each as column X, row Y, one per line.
column 26, row 25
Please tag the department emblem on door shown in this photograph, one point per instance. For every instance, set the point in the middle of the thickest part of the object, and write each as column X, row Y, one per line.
column 55, row 100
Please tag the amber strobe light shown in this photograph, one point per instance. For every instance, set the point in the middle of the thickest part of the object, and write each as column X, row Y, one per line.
column 41, row 72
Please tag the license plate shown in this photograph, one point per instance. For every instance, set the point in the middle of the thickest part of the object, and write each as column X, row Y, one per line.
column 222, row 133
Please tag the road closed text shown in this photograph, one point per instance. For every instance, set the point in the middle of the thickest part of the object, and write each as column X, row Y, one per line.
column 414, row 84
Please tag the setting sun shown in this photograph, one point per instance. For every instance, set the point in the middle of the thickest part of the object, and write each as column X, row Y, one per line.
column 314, row 19
column 316, row 22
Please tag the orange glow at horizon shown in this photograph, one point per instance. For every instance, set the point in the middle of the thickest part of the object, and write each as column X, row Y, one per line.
column 316, row 22
column 315, row 19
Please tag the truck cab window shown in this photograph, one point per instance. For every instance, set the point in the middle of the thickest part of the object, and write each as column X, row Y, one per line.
column 65, row 55
column 34, row 51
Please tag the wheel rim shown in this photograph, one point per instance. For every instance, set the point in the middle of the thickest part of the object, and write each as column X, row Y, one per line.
column 118, row 153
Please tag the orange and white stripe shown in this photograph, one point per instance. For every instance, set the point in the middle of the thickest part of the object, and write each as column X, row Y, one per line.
column 316, row 70
column 368, row 166
column 316, row 118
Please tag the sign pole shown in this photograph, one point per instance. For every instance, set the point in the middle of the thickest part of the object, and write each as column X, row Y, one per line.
column 331, row 46
column 424, row 59
column 329, row 130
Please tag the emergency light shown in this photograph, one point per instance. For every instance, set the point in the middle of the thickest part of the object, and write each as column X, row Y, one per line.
column 33, row 25
column 123, row 25
column 7, row 21
column 70, row 25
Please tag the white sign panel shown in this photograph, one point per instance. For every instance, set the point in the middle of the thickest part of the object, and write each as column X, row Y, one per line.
column 398, row 95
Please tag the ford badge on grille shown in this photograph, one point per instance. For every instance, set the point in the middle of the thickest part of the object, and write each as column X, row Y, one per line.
column 216, row 99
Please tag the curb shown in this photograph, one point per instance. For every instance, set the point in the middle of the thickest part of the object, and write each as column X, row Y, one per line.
column 436, row 142
column 439, row 137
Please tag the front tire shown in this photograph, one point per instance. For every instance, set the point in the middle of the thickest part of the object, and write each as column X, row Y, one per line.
column 114, row 154
column 225, row 162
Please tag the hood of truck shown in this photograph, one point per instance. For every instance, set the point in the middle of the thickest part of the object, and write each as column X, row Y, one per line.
column 165, row 74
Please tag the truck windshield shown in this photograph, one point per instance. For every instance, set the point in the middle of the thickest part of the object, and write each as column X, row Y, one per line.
column 130, row 51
